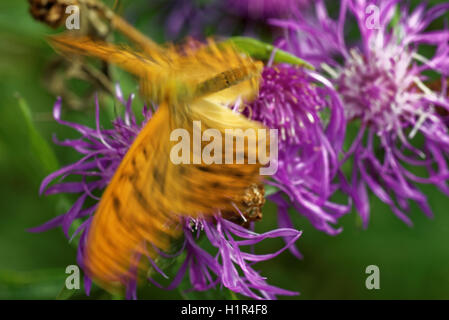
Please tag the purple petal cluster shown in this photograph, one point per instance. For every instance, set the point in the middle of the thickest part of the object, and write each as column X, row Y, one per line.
column 263, row 9
column 382, row 82
column 309, row 117
column 206, row 271
column 197, row 19
column 102, row 150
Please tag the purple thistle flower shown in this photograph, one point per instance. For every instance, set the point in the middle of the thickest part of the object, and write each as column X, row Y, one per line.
column 193, row 18
column 103, row 149
column 206, row 271
column 382, row 85
column 263, row 9
column 295, row 102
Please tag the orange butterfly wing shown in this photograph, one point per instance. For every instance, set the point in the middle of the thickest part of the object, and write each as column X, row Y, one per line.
column 148, row 193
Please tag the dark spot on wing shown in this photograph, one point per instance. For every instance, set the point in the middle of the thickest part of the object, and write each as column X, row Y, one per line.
column 145, row 153
column 159, row 179
column 116, row 203
column 205, row 169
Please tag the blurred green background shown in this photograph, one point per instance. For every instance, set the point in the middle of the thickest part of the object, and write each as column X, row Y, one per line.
column 413, row 262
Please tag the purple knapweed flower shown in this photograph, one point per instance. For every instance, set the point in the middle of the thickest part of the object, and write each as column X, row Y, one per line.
column 263, row 9
column 207, row 271
column 223, row 17
column 103, row 149
column 382, row 82
column 309, row 117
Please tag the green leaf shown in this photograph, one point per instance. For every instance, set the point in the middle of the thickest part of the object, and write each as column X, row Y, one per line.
column 269, row 189
column 65, row 293
column 39, row 146
column 262, row 51
column 12, row 277
column 37, row 284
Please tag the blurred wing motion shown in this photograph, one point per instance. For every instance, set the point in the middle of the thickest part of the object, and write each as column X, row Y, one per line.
column 141, row 207
column 177, row 75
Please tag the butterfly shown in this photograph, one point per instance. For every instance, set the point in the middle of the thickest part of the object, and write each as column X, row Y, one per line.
column 142, row 208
